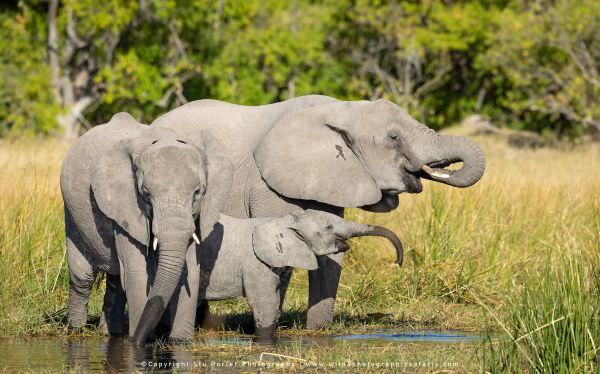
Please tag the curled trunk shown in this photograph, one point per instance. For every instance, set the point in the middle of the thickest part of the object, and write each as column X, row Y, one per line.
column 372, row 230
column 440, row 151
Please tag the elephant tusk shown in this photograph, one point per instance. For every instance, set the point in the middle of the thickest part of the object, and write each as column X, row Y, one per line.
column 155, row 243
column 195, row 238
column 434, row 173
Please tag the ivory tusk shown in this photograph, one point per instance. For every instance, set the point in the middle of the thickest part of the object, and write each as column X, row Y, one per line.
column 434, row 173
column 155, row 243
column 195, row 238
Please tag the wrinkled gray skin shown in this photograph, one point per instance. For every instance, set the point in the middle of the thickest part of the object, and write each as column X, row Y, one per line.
column 255, row 257
column 124, row 186
column 320, row 153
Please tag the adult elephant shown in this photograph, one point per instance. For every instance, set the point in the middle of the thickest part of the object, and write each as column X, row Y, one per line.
column 133, row 193
column 320, row 153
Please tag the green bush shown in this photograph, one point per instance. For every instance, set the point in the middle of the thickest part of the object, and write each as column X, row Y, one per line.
column 526, row 65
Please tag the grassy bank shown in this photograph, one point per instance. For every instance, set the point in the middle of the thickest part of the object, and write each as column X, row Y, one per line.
column 526, row 235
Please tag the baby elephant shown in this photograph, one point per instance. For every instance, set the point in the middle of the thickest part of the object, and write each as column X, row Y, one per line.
column 254, row 257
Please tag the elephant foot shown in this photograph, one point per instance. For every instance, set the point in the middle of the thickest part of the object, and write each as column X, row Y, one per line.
column 320, row 314
column 140, row 344
column 265, row 334
column 179, row 341
column 110, row 329
column 103, row 326
column 180, row 336
column 152, row 336
column 75, row 329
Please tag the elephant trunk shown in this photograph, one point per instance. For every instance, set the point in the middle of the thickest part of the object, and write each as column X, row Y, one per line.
column 445, row 150
column 373, row 230
column 174, row 236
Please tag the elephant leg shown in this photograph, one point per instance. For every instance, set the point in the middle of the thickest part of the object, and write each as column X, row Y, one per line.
column 285, row 281
column 183, row 307
column 202, row 311
column 112, row 321
column 264, row 300
column 135, row 270
column 81, row 279
column 322, row 289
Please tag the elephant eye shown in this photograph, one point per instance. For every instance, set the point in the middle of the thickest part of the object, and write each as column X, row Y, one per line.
column 393, row 134
column 329, row 227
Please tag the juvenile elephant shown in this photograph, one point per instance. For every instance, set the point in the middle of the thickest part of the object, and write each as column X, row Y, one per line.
column 320, row 153
column 126, row 185
column 254, row 257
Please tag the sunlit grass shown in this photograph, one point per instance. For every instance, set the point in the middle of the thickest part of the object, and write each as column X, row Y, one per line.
column 553, row 322
column 476, row 257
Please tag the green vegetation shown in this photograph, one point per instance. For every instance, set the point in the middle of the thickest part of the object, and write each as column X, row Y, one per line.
column 552, row 324
column 74, row 63
column 515, row 255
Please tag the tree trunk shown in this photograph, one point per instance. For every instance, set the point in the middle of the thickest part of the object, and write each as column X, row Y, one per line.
column 70, row 120
column 62, row 86
column 53, row 47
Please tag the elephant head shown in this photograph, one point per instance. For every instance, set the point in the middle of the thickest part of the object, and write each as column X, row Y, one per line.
column 361, row 154
column 296, row 239
column 159, row 188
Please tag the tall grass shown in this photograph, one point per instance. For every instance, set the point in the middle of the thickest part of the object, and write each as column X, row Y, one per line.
column 33, row 272
column 519, row 247
column 553, row 323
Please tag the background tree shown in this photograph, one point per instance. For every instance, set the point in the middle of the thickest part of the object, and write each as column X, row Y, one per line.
column 550, row 57
column 71, row 64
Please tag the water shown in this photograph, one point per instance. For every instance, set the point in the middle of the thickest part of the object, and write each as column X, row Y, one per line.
column 118, row 355
column 413, row 336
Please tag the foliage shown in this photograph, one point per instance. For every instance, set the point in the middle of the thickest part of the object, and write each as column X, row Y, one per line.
column 552, row 324
column 417, row 54
column 550, row 57
column 26, row 102
column 527, row 65
column 270, row 51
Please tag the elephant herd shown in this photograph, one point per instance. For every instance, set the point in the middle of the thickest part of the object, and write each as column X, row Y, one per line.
column 215, row 200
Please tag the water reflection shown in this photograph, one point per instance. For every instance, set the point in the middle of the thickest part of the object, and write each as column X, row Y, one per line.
column 111, row 354
column 118, row 355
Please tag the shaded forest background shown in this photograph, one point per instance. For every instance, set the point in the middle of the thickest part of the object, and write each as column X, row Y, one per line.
column 70, row 64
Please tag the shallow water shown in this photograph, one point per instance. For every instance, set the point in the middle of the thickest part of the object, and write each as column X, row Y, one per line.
column 413, row 336
column 215, row 354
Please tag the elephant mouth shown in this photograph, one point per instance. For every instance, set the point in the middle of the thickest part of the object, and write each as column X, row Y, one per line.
column 341, row 245
column 436, row 170
column 412, row 182
column 388, row 202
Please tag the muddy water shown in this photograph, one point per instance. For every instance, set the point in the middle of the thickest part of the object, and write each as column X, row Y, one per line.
column 211, row 354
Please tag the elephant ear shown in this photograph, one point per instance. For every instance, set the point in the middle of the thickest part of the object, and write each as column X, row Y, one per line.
column 307, row 155
column 276, row 244
column 113, row 182
column 219, row 175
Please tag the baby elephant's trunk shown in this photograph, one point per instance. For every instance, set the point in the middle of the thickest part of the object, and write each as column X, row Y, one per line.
column 373, row 230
